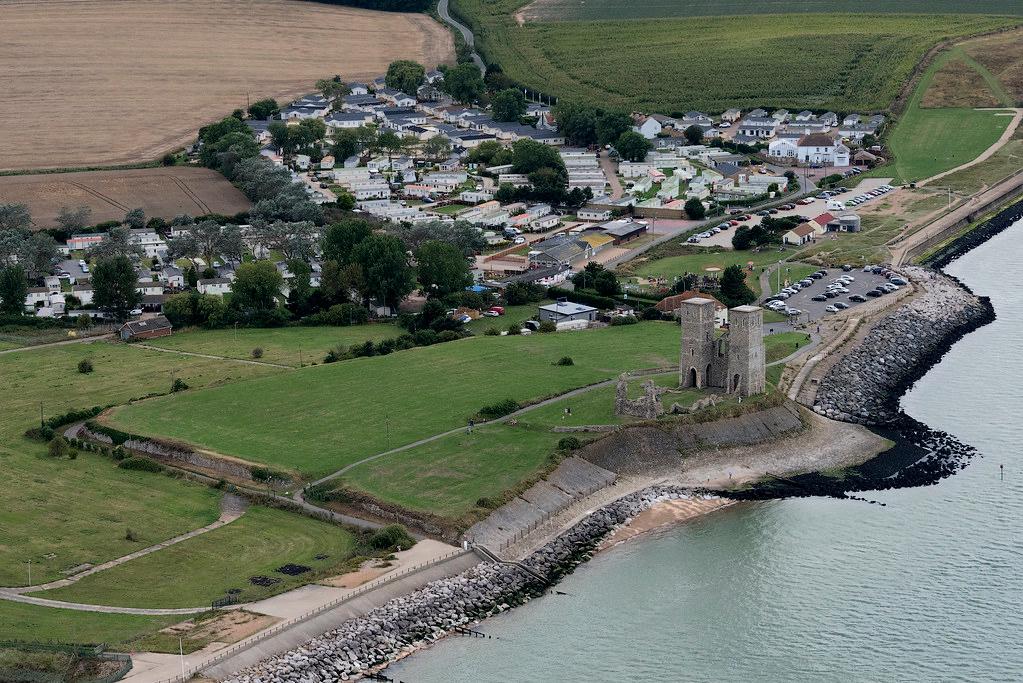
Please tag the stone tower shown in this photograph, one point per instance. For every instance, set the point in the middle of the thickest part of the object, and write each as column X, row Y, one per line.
column 696, row 361
column 746, row 366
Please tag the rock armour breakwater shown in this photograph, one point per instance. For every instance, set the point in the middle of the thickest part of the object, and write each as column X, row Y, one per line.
column 428, row 614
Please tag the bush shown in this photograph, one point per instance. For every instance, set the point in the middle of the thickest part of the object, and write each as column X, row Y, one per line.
column 569, row 443
column 565, row 361
column 448, row 336
column 496, row 410
column 140, row 463
column 267, row 474
column 392, row 537
column 492, row 332
column 130, row 536
column 119, row 453
column 651, row 313
column 178, row 385
column 514, row 329
column 257, row 352
column 59, row 447
column 624, row 320
column 85, row 366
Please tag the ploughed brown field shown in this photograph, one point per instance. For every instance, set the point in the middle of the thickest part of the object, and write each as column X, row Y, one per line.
column 106, row 82
column 164, row 192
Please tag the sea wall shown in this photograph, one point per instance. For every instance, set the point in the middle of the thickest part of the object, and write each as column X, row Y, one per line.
column 866, row 384
column 409, row 622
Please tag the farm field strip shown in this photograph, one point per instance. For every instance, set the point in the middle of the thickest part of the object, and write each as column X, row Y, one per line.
column 133, row 80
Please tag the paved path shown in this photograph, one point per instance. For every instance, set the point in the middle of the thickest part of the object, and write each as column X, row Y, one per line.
column 611, row 173
column 80, row 340
column 211, row 356
column 1017, row 116
column 470, row 40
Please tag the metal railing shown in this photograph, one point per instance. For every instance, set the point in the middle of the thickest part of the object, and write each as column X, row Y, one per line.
column 246, row 643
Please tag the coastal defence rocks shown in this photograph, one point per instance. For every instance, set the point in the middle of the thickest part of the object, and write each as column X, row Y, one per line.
column 409, row 622
column 865, row 385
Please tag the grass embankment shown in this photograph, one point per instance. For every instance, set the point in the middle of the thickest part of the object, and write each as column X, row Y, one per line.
column 868, row 57
column 194, row 572
column 319, row 419
column 281, row 345
column 778, row 346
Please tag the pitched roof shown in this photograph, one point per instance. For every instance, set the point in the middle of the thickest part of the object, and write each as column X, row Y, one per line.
column 674, row 302
column 138, row 326
column 824, row 218
column 817, row 140
column 804, row 229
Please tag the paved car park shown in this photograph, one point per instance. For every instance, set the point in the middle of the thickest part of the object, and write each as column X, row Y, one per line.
column 811, row 310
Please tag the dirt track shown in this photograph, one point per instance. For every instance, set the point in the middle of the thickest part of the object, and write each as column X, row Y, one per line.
column 105, row 82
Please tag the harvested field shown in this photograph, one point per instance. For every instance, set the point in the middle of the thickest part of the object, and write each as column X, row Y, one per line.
column 958, row 85
column 163, row 192
column 125, row 82
column 1002, row 55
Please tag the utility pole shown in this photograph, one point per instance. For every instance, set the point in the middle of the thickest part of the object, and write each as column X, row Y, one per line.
column 30, row 572
column 41, row 421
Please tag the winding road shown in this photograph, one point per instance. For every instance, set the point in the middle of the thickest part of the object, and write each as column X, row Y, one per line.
column 470, row 39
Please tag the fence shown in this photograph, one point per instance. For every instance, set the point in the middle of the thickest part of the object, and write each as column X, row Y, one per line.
column 283, row 626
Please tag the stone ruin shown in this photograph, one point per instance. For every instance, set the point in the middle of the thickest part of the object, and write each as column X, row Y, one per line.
column 735, row 361
column 648, row 406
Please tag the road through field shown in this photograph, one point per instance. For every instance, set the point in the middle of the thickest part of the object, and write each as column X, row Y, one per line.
column 106, row 82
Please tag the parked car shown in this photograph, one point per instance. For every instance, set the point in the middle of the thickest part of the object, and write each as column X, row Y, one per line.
column 818, row 297
column 858, row 298
column 895, row 280
column 874, row 293
column 831, row 309
column 497, row 309
column 841, row 305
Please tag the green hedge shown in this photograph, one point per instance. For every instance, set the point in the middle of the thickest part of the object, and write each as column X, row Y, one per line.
column 581, row 297
column 141, row 464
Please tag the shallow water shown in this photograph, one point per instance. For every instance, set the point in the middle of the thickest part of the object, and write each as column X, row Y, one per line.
column 926, row 588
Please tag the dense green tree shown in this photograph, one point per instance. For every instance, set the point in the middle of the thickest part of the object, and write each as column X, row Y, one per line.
column 508, row 105
column 548, row 184
column 38, row 253
column 114, row 283
column 464, row 83
column 15, row 217
column 405, row 75
column 577, row 122
column 73, row 220
column 340, row 239
column 338, row 282
column 332, row 87
column 210, row 135
column 610, row 125
column 385, row 268
column 442, row 268
column 694, row 134
column 293, row 239
column 256, row 286
column 300, row 287
column 13, row 290
column 489, row 153
column 437, row 147
column 263, row 109
column 465, row 236
column 734, row 290
column 117, row 242
column 632, row 146
column 135, row 218
column 695, row 211
column 530, row 155
column 231, row 149
column 207, row 240
column 595, row 276
column 346, row 144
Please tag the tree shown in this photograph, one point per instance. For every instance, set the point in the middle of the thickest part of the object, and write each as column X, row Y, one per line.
column 464, row 83
column 37, row 253
column 508, row 105
column 390, row 142
column 256, row 286
column 437, row 147
column 577, row 122
column 548, row 184
column 405, row 75
column 385, row 267
column 338, row 282
column 300, row 287
column 530, row 155
column 280, row 137
column 13, row 290
column 263, row 109
column 489, row 153
column 694, row 134
column 208, row 240
column 294, row 240
column 595, row 276
column 118, row 242
column 135, row 218
column 114, row 283
column 231, row 149
column 773, row 187
column 332, row 88
column 695, row 210
column 610, row 126
column 465, row 236
column 73, row 220
column 443, row 269
column 14, row 217
column 632, row 146
column 346, row 144
column 340, row 239
column 734, row 290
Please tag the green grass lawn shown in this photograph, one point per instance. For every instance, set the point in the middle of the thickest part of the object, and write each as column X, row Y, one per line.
column 28, row 622
column 512, row 314
column 784, row 344
column 449, row 209
column 698, row 260
column 61, row 513
column 319, row 419
column 282, row 345
column 201, row 569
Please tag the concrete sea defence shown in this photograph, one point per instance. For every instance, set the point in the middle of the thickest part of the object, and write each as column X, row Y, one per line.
column 410, row 622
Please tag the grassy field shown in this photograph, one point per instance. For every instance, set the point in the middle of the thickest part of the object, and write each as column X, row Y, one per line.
column 512, row 314
column 1002, row 56
column 778, row 346
column 282, row 345
column 568, row 10
column 858, row 61
column 199, row 570
column 143, row 76
column 38, row 522
column 28, row 622
column 319, row 419
column 1004, row 162
column 696, row 260
column 164, row 192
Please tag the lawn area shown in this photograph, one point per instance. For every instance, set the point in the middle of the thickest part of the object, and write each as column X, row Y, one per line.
column 29, row 622
column 319, row 419
column 784, row 344
column 282, row 345
column 201, row 569
column 512, row 314
column 697, row 260
column 449, row 209
column 61, row 513
column 870, row 56
column 1003, row 163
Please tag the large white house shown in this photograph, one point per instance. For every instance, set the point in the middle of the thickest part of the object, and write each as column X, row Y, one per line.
column 816, row 148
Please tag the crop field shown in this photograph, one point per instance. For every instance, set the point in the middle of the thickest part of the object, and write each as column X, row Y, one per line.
column 201, row 569
column 164, row 192
column 108, row 82
column 61, row 513
column 568, row 10
column 280, row 345
column 858, row 61
column 319, row 419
